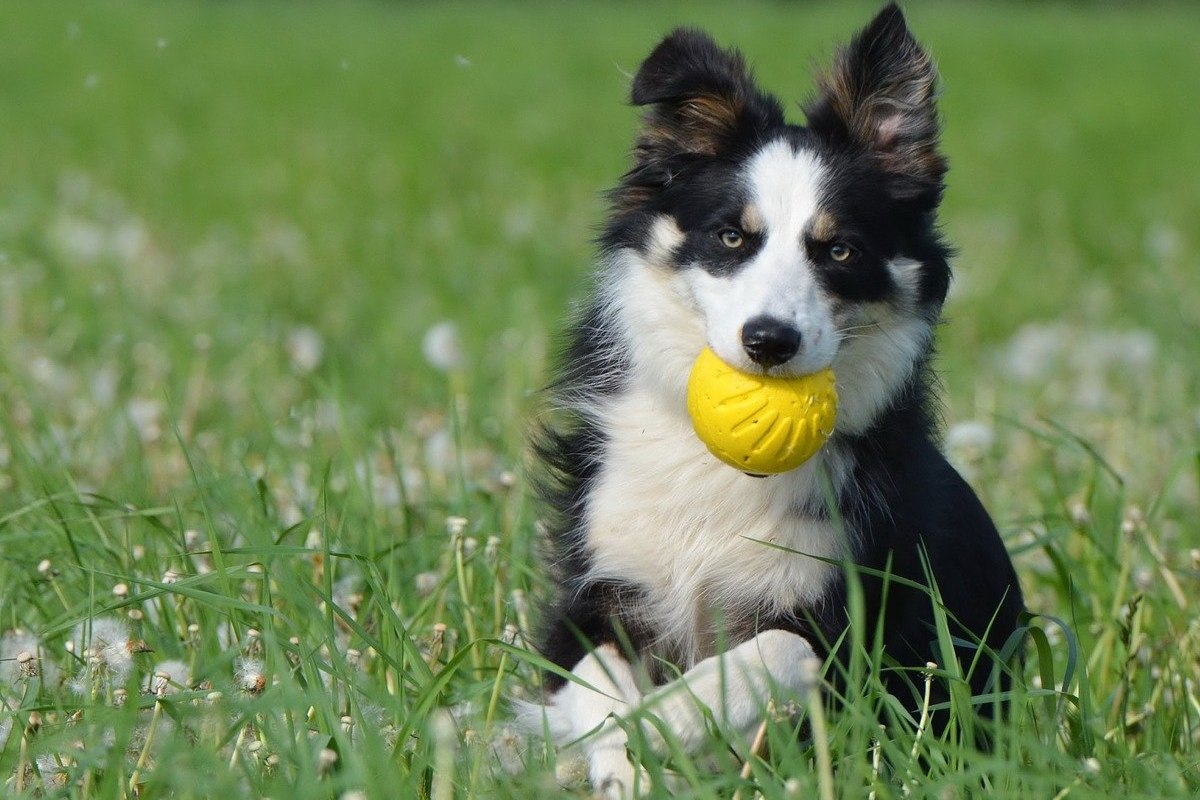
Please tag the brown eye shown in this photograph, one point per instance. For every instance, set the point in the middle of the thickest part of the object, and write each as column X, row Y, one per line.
column 731, row 238
column 841, row 252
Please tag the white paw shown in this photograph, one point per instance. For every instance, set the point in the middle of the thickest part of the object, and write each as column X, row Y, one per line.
column 675, row 711
column 612, row 775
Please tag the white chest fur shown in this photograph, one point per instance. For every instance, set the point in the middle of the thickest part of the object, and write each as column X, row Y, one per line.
column 692, row 533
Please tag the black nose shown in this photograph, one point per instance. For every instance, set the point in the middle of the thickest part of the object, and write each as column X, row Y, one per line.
column 770, row 342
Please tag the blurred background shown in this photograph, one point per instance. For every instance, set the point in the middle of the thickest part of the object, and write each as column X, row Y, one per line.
column 225, row 174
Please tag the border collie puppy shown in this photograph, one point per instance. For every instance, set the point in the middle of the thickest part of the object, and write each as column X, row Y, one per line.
column 685, row 587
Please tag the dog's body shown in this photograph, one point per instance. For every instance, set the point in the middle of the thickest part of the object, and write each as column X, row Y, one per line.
column 785, row 249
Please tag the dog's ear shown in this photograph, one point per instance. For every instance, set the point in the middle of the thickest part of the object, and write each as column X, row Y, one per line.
column 879, row 96
column 701, row 98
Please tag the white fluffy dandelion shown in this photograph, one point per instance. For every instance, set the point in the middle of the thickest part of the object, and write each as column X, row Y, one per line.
column 440, row 452
column 250, row 675
column 146, row 416
column 107, row 650
column 169, row 677
column 442, row 347
column 426, row 583
column 305, row 349
column 967, row 442
column 1034, row 351
column 20, row 659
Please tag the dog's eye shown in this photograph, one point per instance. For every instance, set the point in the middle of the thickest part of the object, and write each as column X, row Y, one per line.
column 731, row 238
column 841, row 252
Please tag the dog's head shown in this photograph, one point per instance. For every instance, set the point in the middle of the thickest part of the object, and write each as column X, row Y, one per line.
column 791, row 248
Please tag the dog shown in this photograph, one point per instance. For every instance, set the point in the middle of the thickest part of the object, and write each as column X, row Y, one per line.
column 683, row 587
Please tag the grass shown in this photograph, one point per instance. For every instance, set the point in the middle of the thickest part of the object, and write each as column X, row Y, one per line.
column 225, row 231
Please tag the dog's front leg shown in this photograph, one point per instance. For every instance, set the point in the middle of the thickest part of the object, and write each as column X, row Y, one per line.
column 734, row 686
column 585, row 714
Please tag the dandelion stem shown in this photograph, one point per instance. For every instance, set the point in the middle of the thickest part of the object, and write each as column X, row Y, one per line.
column 493, row 704
column 237, row 748
column 22, row 759
column 757, row 748
column 136, row 775
column 468, row 610
column 816, row 713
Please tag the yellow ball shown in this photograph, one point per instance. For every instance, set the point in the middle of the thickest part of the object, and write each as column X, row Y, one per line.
column 760, row 424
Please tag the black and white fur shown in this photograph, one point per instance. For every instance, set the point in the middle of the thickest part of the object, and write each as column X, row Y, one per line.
column 786, row 249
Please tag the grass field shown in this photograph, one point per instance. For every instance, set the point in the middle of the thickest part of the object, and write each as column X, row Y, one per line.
column 278, row 282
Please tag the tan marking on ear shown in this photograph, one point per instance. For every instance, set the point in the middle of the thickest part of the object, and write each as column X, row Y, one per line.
column 698, row 125
column 752, row 221
column 712, row 112
column 823, row 227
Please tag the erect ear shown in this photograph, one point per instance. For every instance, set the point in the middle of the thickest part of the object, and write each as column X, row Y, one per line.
column 701, row 98
column 879, row 96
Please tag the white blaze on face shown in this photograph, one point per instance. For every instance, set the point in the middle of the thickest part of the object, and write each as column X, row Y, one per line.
column 778, row 281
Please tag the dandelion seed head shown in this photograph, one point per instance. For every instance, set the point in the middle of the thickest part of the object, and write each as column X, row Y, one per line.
column 145, row 414
column 305, row 349
column 508, row 747
column 971, row 438
column 439, row 451
column 326, row 759
column 107, row 647
column 170, row 677
column 250, row 676
column 442, row 347
column 571, row 770
column 1163, row 241
column 1034, row 351
column 19, row 659
column 426, row 583
column 512, row 634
